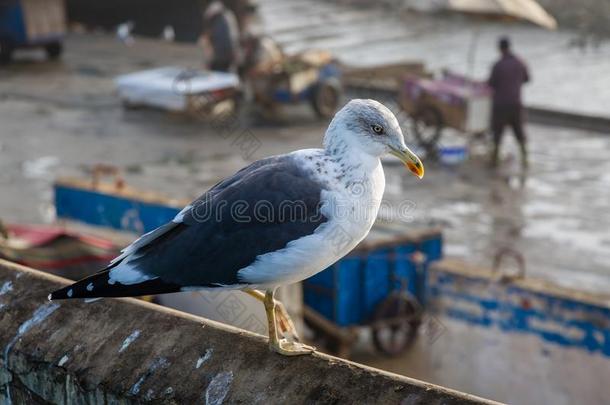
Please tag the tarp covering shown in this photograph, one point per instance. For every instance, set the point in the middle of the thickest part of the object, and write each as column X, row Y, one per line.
column 528, row 10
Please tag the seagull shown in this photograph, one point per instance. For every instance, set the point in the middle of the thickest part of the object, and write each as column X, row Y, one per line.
column 277, row 221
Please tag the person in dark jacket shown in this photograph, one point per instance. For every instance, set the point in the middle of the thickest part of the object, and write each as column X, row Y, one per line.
column 508, row 74
column 221, row 31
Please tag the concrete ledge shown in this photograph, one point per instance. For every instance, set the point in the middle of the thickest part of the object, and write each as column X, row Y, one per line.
column 127, row 351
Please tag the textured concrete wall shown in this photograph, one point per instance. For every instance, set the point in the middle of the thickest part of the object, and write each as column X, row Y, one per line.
column 126, row 351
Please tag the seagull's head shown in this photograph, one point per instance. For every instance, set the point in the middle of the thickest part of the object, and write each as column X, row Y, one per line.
column 371, row 127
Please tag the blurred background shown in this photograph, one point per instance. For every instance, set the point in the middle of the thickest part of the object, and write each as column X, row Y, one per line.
column 490, row 276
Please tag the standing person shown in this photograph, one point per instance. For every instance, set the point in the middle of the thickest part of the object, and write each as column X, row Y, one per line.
column 508, row 74
column 221, row 32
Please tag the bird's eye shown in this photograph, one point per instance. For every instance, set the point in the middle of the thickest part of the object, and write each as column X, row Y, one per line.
column 378, row 129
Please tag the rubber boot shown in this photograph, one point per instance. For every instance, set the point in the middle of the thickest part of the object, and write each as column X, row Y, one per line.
column 524, row 157
column 494, row 156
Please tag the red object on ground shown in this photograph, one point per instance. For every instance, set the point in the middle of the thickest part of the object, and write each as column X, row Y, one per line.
column 38, row 235
column 57, row 250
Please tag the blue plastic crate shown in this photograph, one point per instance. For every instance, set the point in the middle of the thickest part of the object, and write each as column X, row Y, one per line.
column 348, row 292
column 404, row 269
column 432, row 247
column 323, row 297
column 376, row 270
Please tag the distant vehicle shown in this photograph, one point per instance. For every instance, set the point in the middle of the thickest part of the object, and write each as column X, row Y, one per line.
column 32, row 24
column 198, row 92
column 453, row 101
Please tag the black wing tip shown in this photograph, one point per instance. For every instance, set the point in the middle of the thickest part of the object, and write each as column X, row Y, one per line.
column 62, row 293
column 84, row 288
column 99, row 285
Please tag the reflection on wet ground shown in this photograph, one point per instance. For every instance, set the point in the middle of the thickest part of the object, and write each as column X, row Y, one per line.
column 557, row 217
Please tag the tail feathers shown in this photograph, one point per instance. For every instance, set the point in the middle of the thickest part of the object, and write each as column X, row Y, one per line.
column 99, row 285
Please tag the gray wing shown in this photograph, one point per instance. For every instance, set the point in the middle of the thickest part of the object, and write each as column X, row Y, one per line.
column 209, row 241
column 256, row 211
column 150, row 237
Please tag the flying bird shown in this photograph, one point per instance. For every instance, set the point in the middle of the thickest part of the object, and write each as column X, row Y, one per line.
column 277, row 221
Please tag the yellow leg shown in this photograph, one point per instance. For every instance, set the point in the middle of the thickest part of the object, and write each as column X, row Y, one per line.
column 284, row 322
column 281, row 346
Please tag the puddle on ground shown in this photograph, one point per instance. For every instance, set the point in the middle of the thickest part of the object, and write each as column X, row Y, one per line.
column 40, row 168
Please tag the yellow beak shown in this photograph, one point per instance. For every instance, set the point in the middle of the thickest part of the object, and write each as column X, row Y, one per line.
column 411, row 161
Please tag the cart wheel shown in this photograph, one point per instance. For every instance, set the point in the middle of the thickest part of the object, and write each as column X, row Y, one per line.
column 427, row 125
column 395, row 323
column 54, row 50
column 325, row 99
column 6, row 53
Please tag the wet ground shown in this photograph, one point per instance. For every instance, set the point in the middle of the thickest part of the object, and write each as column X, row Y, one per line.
column 58, row 119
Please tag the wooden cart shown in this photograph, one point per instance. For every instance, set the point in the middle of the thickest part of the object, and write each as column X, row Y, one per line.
column 307, row 77
column 450, row 102
column 379, row 286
